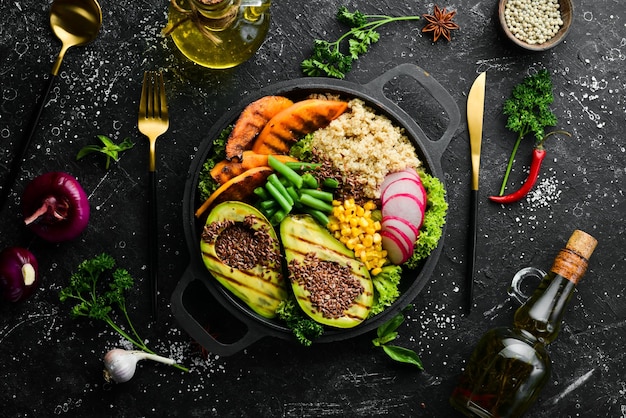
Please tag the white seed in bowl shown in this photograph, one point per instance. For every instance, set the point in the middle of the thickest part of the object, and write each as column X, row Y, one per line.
column 533, row 21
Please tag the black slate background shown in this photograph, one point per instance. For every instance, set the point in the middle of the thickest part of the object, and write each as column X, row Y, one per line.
column 50, row 364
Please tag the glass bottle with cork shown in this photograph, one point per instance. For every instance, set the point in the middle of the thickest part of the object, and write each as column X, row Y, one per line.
column 510, row 366
column 218, row 34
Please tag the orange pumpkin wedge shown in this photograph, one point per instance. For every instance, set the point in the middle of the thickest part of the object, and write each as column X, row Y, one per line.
column 250, row 123
column 226, row 170
column 291, row 124
column 238, row 188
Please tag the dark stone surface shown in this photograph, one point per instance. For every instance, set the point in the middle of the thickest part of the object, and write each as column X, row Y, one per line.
column 51, row 364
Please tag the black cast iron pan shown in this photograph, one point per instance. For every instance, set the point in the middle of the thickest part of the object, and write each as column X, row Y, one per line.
column 220, row 322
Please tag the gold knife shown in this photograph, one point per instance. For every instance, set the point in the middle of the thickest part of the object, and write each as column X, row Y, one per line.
column 475, row 110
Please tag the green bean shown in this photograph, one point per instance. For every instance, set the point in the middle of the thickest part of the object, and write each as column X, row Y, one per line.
column 270, row 212
column 279, row 197
column 310, row 181
column 318, row 215
column 294, row 195
column 261, row 193
column 318, row 194
column 278, row 216
column 284, row 170
column 300, row 166
column 275, row 181
column 315, row 203
column 330, row 182
column 268, row 204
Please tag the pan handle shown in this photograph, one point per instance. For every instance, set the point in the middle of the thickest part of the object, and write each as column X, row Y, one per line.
column 435, row 89
column 200, row 334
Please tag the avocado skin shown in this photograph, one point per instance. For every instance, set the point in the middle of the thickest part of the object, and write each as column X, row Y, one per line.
column 301, row 234
column 261, row 287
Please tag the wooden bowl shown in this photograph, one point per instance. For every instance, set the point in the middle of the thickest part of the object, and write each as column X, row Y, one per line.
column 567, row 12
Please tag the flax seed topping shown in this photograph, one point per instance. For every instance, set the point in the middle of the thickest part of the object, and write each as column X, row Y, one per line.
column 240, row 246
column 332, row 287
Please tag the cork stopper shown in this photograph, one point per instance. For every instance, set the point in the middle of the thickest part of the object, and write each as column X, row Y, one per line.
column 582, row 244
column 572, row 261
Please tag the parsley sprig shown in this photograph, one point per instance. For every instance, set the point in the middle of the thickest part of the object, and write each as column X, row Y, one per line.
column 109, row 148
column 528, row 111
column 386, row 333
column 95, row 301
column 327, row 57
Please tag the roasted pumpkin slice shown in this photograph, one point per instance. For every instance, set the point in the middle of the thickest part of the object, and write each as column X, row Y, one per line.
column 330, row 285
column 241, row 250
column 226, row 170
column 250, row 123
column 238, row 188
column 288, row 126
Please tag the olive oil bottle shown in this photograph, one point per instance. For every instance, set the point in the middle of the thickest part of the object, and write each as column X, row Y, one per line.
column 510, row 366
column 218, row 34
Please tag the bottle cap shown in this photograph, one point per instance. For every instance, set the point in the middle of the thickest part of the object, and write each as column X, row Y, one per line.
column 582, row 244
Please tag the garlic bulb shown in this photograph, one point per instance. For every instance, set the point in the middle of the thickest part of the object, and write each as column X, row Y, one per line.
column 120, row 365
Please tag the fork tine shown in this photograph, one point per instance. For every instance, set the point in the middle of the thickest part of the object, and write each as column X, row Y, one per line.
column 143, row 103
column 163, row 101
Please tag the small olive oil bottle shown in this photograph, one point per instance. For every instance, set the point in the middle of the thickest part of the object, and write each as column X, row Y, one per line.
column 218, row 34
column 510, row 366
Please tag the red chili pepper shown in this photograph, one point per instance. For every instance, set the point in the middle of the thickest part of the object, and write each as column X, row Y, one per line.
column 539, row 154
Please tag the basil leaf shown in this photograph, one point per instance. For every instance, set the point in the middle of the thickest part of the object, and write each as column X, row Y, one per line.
column 403, row 355
column 390, row 325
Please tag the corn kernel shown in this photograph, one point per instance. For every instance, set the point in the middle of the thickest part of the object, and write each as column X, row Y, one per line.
column 352, row 224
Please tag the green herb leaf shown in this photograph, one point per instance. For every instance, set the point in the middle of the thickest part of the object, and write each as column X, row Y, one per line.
column 528, row 111
column 403, row 355
column 387, row 333
column 93, row 301
column 109, row 148
column 327, row 59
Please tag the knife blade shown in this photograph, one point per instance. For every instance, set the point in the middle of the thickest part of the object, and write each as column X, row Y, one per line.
column 475, row 110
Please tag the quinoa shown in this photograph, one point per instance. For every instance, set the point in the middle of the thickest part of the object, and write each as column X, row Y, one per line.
column 367, row 145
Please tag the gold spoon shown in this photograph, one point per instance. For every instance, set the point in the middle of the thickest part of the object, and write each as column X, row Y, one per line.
column 74, row 22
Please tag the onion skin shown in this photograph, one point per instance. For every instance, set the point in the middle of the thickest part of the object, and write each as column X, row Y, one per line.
column 55, row 207
column 19, row 274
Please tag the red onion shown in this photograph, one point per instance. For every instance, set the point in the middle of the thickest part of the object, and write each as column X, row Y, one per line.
column 55, row 207
column 19, row 274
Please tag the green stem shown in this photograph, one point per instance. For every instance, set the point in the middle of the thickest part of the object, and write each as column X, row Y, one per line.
column 510, row 164
column 139, row 344
column 371, row 26
column 128, row 321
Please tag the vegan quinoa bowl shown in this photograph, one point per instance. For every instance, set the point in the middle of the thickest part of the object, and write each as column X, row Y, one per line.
column 371, row 138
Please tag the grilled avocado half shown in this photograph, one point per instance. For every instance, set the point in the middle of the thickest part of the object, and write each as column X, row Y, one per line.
column 330, row 284
column 241, row 250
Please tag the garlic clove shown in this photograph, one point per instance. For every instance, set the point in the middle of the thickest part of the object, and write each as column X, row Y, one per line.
column 119, row 365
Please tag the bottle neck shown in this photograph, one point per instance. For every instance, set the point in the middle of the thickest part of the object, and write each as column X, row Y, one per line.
column 543, row 312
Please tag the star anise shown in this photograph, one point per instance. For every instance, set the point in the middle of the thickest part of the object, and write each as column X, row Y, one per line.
column 440, row 23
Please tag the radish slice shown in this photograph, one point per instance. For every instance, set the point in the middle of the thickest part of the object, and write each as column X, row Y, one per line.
column 407, row 239
column 396, row 249
column 402, row 224
column 398, row 175
column 404, row 206
column 404, row 186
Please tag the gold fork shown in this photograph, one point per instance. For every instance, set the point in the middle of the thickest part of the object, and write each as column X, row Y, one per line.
column 153, row 122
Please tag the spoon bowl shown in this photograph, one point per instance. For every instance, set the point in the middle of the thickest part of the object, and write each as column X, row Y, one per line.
column 74, row 22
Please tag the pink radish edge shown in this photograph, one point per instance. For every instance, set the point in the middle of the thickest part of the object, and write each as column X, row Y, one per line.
column 398, row 254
